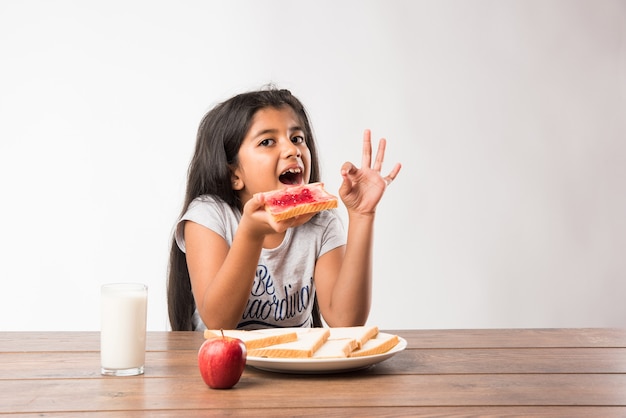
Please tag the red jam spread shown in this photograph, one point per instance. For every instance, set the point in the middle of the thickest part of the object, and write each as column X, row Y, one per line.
column 293, row 199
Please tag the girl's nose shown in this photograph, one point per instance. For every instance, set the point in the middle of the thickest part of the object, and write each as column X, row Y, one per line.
column 290, row 149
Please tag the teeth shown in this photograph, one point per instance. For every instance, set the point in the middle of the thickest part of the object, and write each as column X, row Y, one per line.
column 292, row 171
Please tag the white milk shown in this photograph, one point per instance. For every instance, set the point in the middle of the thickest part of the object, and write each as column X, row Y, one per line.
column 123, row 328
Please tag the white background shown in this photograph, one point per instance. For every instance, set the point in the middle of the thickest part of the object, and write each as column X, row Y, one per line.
column 509, row 118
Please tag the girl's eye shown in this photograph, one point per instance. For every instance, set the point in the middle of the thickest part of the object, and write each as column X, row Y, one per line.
column 297, row 139
column 266, row 142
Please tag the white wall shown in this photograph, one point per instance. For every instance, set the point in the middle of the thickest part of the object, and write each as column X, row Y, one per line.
column 508, row 116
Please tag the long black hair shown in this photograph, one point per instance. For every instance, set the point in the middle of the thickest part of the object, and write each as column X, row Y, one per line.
column 219, row 138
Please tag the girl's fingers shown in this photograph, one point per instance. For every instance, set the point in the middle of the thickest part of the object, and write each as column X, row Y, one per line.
column 367, row 149
column 378, row 161
column 367, row 152
column 346, row 169
column 392, row 174
column 380, row 155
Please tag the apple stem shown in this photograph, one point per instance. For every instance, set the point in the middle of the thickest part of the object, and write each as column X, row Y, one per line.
column 222, row 331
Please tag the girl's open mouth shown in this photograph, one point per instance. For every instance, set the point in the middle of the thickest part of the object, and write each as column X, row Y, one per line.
column 292, row 176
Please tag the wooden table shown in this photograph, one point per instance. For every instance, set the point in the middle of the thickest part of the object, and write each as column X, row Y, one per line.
column 548, row 372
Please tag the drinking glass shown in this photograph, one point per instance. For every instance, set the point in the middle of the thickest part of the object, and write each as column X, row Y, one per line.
column 123, row 328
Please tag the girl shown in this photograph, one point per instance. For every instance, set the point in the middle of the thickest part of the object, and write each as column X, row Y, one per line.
column 231, row 265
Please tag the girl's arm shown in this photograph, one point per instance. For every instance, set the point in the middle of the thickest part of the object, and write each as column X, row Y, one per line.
column 222, row 277
column 343, row 276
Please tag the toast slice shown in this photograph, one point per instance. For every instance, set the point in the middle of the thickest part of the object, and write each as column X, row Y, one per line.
column 298, row 200
column 336, row 348
column 308, row 342
column 379, row 345
column 253, row 339
column 360, row 334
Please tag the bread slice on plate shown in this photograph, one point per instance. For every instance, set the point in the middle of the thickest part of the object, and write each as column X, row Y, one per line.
column 308, row 342
column 379, row 345
column 336, row 348
column 359, row 334
column 255, row 339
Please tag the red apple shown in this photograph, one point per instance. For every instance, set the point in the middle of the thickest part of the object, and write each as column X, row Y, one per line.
column 221, row 361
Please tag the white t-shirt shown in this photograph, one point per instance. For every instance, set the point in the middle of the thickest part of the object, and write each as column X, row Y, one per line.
column 283, row 291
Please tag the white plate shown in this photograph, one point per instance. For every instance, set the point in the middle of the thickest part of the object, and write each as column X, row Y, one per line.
column 329, row 365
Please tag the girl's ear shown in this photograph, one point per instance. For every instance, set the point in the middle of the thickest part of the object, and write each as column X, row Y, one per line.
column 236, row 182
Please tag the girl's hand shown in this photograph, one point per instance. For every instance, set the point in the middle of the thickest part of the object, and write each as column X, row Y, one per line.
column 362, row 189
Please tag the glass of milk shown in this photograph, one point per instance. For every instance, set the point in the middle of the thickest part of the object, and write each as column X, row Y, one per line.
column 123, row 328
